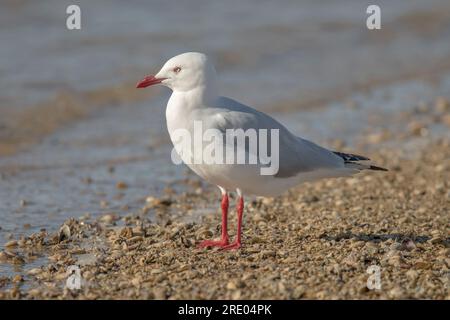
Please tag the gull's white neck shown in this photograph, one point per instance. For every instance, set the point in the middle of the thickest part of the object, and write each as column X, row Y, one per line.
column 182, row 103
column 199, row 97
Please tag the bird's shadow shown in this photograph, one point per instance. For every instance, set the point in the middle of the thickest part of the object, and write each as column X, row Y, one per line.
column 371, row 237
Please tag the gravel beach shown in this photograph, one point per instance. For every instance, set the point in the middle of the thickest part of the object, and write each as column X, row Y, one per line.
column 315, row 242
column 92, row 207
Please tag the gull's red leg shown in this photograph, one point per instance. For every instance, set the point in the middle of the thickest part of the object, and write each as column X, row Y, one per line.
column 240, row 211
column 224, row 239
column 224, row 206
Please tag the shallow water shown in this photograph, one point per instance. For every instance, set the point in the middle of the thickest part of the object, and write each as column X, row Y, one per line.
column 302, row 63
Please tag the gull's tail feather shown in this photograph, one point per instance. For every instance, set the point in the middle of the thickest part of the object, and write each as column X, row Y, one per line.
column 377, row 168
column 350, row 161
column 361, row 166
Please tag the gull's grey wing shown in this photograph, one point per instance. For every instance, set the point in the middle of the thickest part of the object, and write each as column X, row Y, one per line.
column 308, row 157
column 296, row 155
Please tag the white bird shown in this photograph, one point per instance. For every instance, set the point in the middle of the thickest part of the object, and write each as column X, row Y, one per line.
column 195, row 98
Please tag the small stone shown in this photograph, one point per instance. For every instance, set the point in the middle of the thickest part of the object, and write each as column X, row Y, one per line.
column 442, row 104
column 435, row 240
column 248, row 276
column 155, row 202
column 17, row 278
column 299, row 292
column 204, row 234
column 412, row 274
column 34, row 271
column 395, row 261
column 417, row 128
column 11, row 244
column 268, row 253
column 108, row 218
column 235, row 284
column 256, row 240
column 87, row 180
column 257, row 217
column 378, row 137
column 34, row 292
column 138, row 231
column 104, row 204
column 396, row 293
column 156, row 271
column 160, row 293
column 407, row 244
column 231, row 285
column 435, row 233
column 126, row 232
column 136, row 282
column 160, row 278
column 236, row 295
column 422, row 265
column 267, row 201
column 64, row 233
column 422, row 107
column 135, row 239
column 121, row 185
column 86, row 259
column 150, row 200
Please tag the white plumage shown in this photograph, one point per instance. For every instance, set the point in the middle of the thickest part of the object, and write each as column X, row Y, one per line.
column 195, row 97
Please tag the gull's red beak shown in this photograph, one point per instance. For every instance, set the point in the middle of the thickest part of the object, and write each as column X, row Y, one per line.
column 149, row 81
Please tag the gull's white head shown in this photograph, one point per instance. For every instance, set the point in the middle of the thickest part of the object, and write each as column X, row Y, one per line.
column 184, row 72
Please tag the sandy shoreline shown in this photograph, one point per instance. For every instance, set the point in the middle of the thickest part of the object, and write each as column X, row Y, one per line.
column 316, row 242
column 86, row 178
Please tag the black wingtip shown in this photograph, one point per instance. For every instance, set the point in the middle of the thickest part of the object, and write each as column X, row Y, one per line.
column 350, row 157
column 378, row 168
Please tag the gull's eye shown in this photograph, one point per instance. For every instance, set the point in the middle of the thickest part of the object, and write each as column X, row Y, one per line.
column 176, row 69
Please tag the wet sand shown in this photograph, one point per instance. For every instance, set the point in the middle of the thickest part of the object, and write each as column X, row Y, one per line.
column 21, row 129
column 315, row 242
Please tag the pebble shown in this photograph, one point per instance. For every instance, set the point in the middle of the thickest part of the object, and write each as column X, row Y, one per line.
column 268, row 253
column 395, row 261
column 231, row 285
column 17, row 278
column 156, row 202
column 376, row 138
column 435, row 240
column 396, row 293
column 417, row 128
column 156, row 271
column 11, row 244
column 236, row 295
column 135, row 239
column 422, row 265
column 121, row 185
column 412, row 274
column 34, row 271
column 136, row 282
column 407, row 244
column 442, row 105
column 446, row 120
column 160, row 293
column 64, row 233
column 109, row 218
